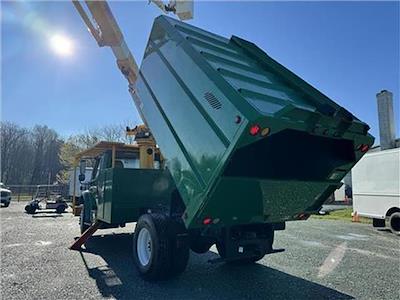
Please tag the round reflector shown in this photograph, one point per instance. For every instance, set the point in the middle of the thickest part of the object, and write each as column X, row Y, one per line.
column 265, row 131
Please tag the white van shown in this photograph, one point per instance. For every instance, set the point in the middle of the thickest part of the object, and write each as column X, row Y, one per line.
column 376, row 188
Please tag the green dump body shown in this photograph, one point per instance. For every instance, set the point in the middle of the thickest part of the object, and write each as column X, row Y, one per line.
column 201, row 94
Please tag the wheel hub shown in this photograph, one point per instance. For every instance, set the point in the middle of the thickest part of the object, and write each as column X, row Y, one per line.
column 144, row 246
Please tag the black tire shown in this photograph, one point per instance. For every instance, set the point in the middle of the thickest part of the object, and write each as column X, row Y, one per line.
column 6, row 204
column 30, row 209
column 83, row 227
column 180, row 248
column 168, row 255
column 394, row 223
column 60, row 209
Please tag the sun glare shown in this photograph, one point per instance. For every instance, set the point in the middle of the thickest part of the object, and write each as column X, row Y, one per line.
column 61, row 45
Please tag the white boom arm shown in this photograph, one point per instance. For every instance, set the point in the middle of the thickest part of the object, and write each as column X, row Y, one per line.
column 107, row 32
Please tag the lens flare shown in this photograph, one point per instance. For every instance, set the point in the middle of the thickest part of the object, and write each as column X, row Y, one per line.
column 61, row 45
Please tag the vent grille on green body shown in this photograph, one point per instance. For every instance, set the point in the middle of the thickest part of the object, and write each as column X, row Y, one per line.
column 212, row 100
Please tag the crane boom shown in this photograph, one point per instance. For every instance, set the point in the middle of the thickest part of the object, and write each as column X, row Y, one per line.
column 106, row 31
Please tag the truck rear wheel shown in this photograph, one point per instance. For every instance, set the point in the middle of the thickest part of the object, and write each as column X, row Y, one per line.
column 394, row 223
column 158, row 251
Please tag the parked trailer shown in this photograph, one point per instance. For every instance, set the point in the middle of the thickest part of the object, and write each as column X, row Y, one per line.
column 247, row 145
column 376, row 188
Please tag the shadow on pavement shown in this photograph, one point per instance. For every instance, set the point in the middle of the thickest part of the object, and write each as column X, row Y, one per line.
column 49, row 215
column 43, row 213
column 385, row 230
column 118, row 277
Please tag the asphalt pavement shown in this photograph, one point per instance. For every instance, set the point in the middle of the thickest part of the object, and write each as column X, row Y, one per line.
column 324, row 259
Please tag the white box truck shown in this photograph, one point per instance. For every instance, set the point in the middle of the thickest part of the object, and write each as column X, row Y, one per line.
column 376, row 188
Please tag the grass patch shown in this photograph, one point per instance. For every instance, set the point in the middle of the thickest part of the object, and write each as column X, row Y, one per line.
column 342, row 214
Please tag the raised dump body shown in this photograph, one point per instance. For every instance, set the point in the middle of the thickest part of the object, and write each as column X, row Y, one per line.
column 245, row 139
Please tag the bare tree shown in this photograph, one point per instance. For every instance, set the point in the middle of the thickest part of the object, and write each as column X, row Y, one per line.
column 46, row 162
column 37, row 155
column 109, row 133
column 16, row 153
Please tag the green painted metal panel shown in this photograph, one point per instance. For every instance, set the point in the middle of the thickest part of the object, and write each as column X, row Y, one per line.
column 127, row 193
column 255, row 200
column 101, row 181
column 200, row 93
column 285, row 199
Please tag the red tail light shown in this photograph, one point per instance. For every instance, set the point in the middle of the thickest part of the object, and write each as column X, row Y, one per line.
column 207, row 221
column 363, row 148
column 255, row 129
column 303, row 216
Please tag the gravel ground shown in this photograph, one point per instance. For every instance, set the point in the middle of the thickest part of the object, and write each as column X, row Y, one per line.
column 323, row 260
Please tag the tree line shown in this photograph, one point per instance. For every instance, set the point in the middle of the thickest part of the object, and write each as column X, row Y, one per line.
column 40, row 155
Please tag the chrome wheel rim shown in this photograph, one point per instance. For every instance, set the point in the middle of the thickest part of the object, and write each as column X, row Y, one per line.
column 144, row 246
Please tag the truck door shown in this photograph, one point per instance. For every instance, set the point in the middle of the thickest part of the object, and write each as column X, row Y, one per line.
column 101, row 181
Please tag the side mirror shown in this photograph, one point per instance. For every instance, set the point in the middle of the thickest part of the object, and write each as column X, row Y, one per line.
column 81, row 177
column 82, row 170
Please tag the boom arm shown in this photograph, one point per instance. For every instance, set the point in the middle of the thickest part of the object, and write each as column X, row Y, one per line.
column 107, row 32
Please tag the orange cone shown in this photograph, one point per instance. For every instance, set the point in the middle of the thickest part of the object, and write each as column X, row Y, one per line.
column 355, row 217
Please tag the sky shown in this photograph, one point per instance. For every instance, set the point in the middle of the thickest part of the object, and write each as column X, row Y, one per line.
column 347, row 50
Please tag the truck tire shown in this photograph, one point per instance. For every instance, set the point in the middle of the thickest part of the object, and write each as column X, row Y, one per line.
column 30, row 209
column 157, row 251
column 60, row 209
column 6, row 204
column 394, row 223
column 180, row 248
